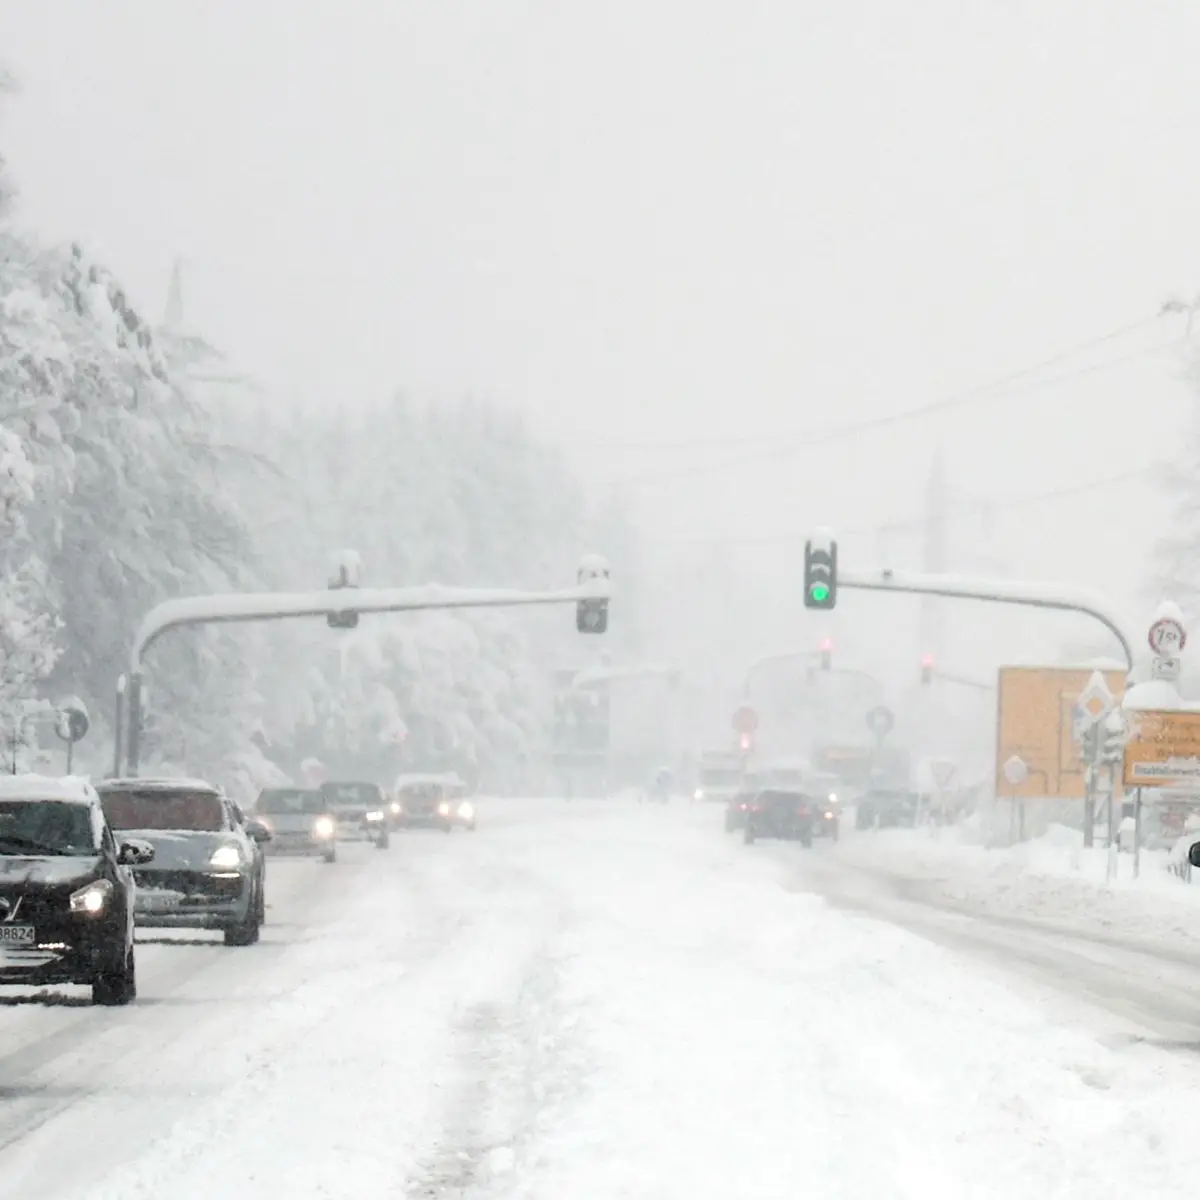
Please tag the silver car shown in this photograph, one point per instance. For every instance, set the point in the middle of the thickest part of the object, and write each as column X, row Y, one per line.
column 301, row 821
column 208, row 870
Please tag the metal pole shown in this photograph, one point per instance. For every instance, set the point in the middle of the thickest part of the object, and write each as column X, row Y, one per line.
column 1137, row 834
column 134, row 702
column 119, row 728
column 70, row 755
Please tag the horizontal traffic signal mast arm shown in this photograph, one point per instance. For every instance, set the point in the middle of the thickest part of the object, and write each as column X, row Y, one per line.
column 1060, row 597
column 267, row 606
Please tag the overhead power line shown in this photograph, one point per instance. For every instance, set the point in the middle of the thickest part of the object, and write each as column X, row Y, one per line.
column 980, row 507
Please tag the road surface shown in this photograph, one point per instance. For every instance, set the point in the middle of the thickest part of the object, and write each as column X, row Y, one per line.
column 598, row 1000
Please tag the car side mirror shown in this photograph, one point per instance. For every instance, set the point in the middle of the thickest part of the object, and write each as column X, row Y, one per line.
column 257, row 830
column 1194, row 854
column 135, row 853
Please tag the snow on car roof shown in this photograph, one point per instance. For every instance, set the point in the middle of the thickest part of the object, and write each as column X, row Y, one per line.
column 428, row 777
column 75, row 788
column 160, row 785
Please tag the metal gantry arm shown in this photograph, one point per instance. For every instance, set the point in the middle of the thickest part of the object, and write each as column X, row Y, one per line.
column 275, row 606
column 999, row 591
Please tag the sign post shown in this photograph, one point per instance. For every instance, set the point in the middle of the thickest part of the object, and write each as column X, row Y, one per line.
column 1091, row 711
column 1015, row 773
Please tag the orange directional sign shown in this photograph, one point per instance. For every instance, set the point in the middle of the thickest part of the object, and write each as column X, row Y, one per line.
column 1163, row 748
column 1035, row 724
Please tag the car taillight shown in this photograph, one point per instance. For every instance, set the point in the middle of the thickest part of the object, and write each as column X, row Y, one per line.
column 802, row 811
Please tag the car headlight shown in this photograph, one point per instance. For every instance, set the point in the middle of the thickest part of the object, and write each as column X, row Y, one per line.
column 833, row 797
column 444, row 810
column 225, row 857
column 699, row 793
column 466, row 810
column 323, row 827
column 375, row 816
column 829, row 816
column 92, row 898
column 397, row 808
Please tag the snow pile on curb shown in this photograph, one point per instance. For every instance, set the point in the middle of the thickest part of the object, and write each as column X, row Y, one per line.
column 1051, row 879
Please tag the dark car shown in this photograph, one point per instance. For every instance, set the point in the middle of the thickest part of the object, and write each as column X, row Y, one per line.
column 886, row 808
column 208, row 870
column 66, row 890
column 736, row 810
column 360, row 810
column 776, row 813
column 426, row 801
column 301, row 821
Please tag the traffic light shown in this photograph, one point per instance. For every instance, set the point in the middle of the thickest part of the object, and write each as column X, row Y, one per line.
column 820, row 574
column 927, row 668
column 746, row 743
column 826, row 654
column 591, row 616
column 1115, row 733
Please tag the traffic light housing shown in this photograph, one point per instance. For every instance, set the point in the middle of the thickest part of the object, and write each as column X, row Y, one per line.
column 591, row 616
column 346, row 578
column 927, row 668
column 826, row 654
column 820, row 575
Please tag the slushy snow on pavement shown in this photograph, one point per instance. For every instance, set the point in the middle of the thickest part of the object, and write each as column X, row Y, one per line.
column 593, row 1001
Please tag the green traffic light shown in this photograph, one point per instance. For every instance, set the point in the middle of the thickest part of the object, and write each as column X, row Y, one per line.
column 819, row 592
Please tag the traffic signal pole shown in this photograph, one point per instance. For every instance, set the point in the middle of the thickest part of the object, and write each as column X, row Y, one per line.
column 276, row 606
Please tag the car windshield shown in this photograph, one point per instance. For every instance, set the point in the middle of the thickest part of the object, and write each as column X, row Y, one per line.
column 422, row 791
column 341, row 794
column 285, row 801
column 52, row 827
column 720, row 776
column 177, row 810
column 781, row 799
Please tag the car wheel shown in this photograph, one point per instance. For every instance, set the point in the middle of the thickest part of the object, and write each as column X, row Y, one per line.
column 245, row 932
column 748, row 835
column 383, row 841
column 260, row 907
column 119, row 987
column 329, row 855
column 806, row 840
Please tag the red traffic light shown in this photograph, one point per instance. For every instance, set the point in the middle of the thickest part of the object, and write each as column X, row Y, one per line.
column 826, row 644
column 745, row 741
column 927, row 661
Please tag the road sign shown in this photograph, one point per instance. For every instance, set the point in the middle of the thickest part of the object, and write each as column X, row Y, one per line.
column 1015, row 771
column 1165, row 668
column 1163, row 748
column 1036, row 724
column 1094, row 704
column 943, row 772
column 1167, row 637
column 745, row 720
column 880, row 720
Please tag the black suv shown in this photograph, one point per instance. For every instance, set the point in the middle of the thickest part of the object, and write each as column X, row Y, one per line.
column 778, row 813
column 66, row 890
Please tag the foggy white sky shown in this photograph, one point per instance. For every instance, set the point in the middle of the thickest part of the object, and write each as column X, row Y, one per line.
column 670, row 222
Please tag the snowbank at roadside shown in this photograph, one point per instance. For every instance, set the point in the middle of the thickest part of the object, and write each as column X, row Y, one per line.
column 1052, row 879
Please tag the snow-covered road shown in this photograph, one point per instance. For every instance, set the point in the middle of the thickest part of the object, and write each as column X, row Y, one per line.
column 599, row 1001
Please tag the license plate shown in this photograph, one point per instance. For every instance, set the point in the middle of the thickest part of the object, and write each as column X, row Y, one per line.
column 156, row 903
column 17, row 935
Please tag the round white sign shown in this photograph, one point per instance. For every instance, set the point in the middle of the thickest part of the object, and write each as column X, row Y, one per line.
column 1015, row 770
column 1167, row 638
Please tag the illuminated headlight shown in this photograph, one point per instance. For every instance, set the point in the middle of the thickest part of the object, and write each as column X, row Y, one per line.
column 397, row 808
column 225, row 857
column 829, row 816
column 833, row 797
column 698, row 794
column 323, row 827
column 92, row 898
column 375, row 816
column 466, row 810
column 443, row 810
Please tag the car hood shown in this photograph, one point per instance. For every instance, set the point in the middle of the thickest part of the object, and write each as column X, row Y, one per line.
column 178, row 851
column 49, row 871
